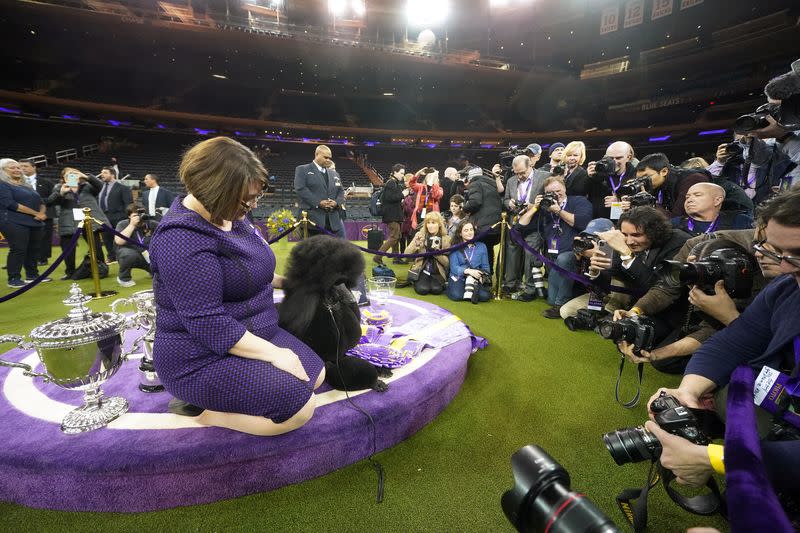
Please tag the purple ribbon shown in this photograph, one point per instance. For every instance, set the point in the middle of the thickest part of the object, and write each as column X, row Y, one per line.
column 750, row 496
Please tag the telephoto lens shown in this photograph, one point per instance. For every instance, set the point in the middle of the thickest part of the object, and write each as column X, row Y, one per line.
column 632, row 445
column 541, row 499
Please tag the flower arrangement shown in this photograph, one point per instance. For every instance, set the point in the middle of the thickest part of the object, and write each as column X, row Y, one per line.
column 280, row 221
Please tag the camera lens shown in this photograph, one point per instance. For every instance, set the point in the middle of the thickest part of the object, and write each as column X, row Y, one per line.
column 748, row 123
column 611, row 330
column 632, row 445
column 541, row 499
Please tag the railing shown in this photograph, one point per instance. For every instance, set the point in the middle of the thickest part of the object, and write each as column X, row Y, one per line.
column 66, row 155
column 38, row 160
column 89, row 149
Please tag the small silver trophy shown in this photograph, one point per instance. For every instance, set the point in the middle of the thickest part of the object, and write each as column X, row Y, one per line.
column 79, row 352
column 145, row 304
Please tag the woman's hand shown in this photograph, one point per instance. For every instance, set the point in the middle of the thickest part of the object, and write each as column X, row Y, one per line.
column 40, row 217
column 286, row 360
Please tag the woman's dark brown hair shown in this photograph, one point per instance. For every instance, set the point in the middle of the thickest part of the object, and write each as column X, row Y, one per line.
column 219, row 172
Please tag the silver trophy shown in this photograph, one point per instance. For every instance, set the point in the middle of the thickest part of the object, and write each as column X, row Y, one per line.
column 145, row 317
column 79, row 352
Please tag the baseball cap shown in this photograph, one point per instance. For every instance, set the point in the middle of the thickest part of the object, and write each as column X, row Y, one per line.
column 598, row 225
column 534, row 148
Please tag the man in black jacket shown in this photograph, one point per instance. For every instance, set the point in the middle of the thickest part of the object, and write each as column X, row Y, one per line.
column 391, row 199
column 484, row 205
column 602, row 189
column 44, row 188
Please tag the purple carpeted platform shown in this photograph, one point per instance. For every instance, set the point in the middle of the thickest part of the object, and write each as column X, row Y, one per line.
column 149, row 459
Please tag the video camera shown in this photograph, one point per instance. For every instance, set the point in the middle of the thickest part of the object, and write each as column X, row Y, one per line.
column 785, row 88
column 635, row 186
column 541, row 499
column 734, row 267
column 633, row 445
column 637, row 330
column 507, row 157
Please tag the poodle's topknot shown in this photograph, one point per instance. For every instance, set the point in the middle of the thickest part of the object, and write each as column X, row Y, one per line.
column 320, row 262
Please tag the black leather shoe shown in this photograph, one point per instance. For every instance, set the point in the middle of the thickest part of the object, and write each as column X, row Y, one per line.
column 179, row 407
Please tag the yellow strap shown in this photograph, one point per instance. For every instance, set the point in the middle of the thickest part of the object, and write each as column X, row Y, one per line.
column 716, row 454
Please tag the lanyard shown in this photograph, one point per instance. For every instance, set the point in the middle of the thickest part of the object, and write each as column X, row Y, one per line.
column 615, row 188
column 140, row 239
column 258, row 233
column 711, row 228
column 522, row 196
column 469, row 251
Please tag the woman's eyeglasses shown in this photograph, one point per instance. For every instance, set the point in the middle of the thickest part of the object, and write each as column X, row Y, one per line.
column 253, row 202
column 778, row 258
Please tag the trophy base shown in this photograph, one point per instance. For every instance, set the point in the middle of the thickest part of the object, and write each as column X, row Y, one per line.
column 103, row 294
column 91, row 417
column 144, row 387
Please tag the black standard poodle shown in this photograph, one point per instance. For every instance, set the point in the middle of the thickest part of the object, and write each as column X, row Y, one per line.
column 319, row 309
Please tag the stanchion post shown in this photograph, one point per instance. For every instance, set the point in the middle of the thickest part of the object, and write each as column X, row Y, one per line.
column 89, row 233
column 304, row 221
column 501, row 259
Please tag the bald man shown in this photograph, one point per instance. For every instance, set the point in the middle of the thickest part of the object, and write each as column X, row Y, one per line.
column 603, row 192
column 704, row 213
column 320, row 191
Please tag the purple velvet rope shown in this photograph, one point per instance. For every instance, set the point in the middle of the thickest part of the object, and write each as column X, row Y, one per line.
column 750, row 495
column 578, row 278
column 108, row 228
column 421, row 254
column 73, row 243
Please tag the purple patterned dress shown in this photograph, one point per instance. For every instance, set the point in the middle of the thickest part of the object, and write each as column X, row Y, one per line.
column 210, row 287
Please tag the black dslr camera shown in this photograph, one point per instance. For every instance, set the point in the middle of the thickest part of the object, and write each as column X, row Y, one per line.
column 635, row 186
column 730, row 265
column 605, row 167
column 735, row 152
column 632, row 445
column 584, row 319
column 559, row 170
column 638, row 330
column 584, row 242
column 548, row 199
column 507, row 157
column 642, row 198
column 541, row 499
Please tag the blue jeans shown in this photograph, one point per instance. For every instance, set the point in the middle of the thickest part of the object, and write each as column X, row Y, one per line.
column 24, row 243
column 455, row 290
column 559, row 287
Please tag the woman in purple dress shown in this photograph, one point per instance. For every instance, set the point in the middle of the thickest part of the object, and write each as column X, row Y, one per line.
column 218, row 348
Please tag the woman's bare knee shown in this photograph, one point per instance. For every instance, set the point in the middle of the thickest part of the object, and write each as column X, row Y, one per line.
column 302, row 416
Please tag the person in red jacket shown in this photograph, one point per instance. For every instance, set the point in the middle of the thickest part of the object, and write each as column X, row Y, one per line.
column 426, row 186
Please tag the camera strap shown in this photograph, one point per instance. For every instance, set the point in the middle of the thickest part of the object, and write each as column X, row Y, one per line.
column 630, row 404
column 633, row 502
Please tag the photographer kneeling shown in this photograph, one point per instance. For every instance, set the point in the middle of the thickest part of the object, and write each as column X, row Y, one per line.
column 469, row 268
column 137, row 227
column 765, row 338
column 559, row 218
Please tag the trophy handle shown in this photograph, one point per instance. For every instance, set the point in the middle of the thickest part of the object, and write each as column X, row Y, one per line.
column 26, row 369
column 137, row 345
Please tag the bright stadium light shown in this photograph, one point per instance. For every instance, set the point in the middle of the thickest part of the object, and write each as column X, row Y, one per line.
column 427, row 12
column 337, row 7
column 359, row 8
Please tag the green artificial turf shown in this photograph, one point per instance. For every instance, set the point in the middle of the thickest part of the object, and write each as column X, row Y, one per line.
column 536, row 383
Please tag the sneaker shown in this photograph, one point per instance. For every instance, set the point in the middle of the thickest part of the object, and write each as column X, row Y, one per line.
column 16, row 283
column 111, row 262
column 552, row 312
column 31, row 280
column 378, row 259
column 523, row 296
column 65, row 277
column 128, row 283
column 399, row 261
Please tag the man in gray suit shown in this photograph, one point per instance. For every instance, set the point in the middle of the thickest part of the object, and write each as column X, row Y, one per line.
column 522, row 188
column 321, row 193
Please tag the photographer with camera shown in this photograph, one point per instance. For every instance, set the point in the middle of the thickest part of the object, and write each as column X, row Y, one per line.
column 483, row 205
column 765, row 338
column 503, row 170
column 425, row 184
column 704, row 213
column 469, row 268
column 606, row 176
column 521, row 189
column 139, row 227
column 758, row 167
column 559, row 219
column 668, row 184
